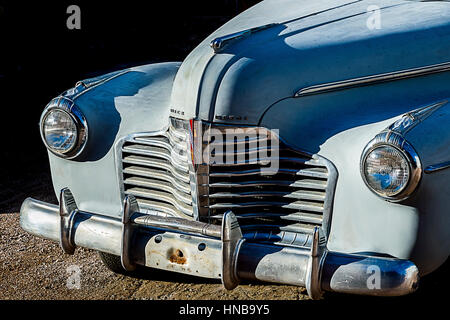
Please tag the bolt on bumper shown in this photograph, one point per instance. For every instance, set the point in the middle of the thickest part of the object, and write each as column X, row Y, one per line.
column 217, row 252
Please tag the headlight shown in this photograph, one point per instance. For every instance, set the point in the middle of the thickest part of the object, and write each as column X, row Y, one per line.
column 63, row 128
column 390, row 167
column 386, row 171
column 60, row 131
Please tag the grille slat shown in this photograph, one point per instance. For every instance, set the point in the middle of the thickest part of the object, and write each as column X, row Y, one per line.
column 179, row 162
column 313, row 173
column 241, row 151
column 303, row 205
column 169, row 143
column 299, row 205
column 238, row 142
column 298, row 228
column 307, row 172
column 295, row 227
column 231, row 205
column 261, row 161
column 161, row 142
column 306, row 183
column 160, row 185
column 157, row 174
column 157, row 207
column 304, row 217
column 251, row 194
column 156, row 163
column 162, row 196
column 307, row 195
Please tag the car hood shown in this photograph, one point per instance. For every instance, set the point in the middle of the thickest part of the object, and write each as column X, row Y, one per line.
column 302, row 44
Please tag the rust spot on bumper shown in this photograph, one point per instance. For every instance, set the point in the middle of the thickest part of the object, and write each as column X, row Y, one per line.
column 178, row 257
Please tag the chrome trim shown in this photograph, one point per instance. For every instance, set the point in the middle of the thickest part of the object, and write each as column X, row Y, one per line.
column 307, row 172
column 300, row 194
column 156, row 195
column 394, row 136
column 140, row 187
column 339, row 274
column 147, row 163
column 295, row 228
column 373, row 79
column 232, row 240
column 119, row 156
column 437, row 167
column 67, row 211
column 68, row 106
column 130, row 207
column 315, row 264
column 159, row 208
column 143, row 175
column 194, row 173
column 171, row 140
column 87, row 85
column 178, row 224
column 140, row 149
column 319, row 185
column 218, row 44
column 263, row 160
column 413, row 118
column 282, row 238
column 298, row 205
column 304, row 217
column 201, row 170
column 395, row 140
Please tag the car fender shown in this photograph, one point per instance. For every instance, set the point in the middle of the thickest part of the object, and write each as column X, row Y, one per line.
column 115, row 106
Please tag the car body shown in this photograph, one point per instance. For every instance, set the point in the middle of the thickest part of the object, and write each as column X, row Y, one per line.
column 356, row 122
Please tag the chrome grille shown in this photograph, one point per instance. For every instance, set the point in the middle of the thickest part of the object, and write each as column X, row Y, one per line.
column 155, row 170
column 280, row 206
column 293, row 198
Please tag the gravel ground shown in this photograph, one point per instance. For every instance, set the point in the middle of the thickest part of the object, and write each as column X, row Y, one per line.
column 36, row 269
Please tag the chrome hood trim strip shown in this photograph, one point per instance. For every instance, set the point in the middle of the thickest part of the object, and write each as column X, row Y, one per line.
column 373, row 79
column 437, row 167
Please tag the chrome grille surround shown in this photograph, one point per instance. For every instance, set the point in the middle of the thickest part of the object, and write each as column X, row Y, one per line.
column 281, row 208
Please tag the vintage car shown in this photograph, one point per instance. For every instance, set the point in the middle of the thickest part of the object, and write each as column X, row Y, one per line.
column 301, row 143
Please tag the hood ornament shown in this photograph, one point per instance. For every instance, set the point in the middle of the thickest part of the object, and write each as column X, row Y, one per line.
column 218, row 44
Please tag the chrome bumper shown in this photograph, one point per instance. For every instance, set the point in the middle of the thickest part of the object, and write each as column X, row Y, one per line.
column 211, row 251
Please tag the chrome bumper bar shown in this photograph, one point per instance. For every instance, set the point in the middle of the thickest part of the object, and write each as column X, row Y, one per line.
column 210, row 251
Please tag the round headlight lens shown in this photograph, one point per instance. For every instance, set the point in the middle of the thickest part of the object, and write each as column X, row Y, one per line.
column 386, row 171
column 60, row 131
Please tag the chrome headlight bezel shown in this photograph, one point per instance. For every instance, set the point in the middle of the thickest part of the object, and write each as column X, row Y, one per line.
column 68, row 107
column 398, row 142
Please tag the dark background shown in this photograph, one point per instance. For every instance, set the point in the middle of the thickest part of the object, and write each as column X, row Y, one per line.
column 41, row 57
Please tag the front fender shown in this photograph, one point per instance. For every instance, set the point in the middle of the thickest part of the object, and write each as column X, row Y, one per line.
column 361, row 221
column 431, row 139
column 115, row 106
